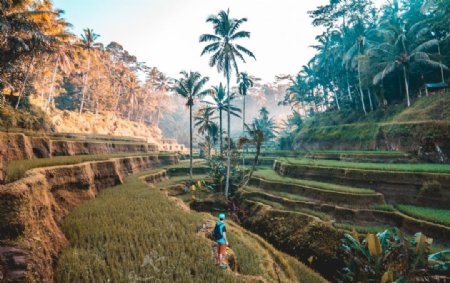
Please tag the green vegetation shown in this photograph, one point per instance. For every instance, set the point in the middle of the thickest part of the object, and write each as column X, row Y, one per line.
column 16, row 169
column 426, row 167
column 152, row 239
column 360, row 229
column 440, row 216
column 272, row 176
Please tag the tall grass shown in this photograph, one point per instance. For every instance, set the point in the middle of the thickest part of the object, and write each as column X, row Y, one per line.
column 132, row 233
column 440, row 216
column 271, row 175
column 425, row 167
column 16, row 169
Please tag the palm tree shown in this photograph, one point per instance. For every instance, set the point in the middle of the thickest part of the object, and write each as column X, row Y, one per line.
column 63, row 63
column 225, row 51
column 245, row 82
column 356, row 53
column 88, row 43
column 221, row 102
column 190, row 86
column 400, row 52
column 260, row 130
column 204, row 120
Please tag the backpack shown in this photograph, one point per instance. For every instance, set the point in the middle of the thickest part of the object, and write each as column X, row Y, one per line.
column 217, row 233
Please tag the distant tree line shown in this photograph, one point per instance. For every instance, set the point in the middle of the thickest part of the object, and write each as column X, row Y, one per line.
column 370, row 58
column 39, row 57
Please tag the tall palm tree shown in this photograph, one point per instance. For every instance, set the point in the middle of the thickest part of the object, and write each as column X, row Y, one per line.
column 190, row 86
column 356, row 54
column 88, row 43
column 221, row 102
column 400, row 52
column 260, row 130
column 225, row 51
column 62, row 62
column 207, row 127
column 245, row 82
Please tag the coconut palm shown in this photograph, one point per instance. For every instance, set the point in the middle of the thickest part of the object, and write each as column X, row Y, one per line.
column 225, row 53
column 88, row 43
column 204, row 120
column 221, row 102
column 63, row 63
column 245, row 82
column 260, row 130
column 190, row 86
column 401, row 51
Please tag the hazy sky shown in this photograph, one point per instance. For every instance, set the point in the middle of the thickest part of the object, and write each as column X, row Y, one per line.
column 164, row 33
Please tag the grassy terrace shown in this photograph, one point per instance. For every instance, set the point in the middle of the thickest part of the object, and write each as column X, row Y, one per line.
column 270, row 175
column 154, row 240
column 429, row 168
column 440, row 216
column 16, row 169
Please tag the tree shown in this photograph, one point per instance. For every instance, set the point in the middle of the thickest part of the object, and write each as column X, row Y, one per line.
column 245, row 82
column 221, row 102
column 190, row 86
column 87, row 43
column 225, row 51
column 401, row 51
column 260, row 130
column 204, row 120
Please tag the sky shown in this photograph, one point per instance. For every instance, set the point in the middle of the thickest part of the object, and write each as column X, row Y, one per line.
column 165, row 33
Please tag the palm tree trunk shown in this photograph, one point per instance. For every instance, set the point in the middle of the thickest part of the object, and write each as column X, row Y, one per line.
column 221, row 131
column 24, row 82
column 190, row 143
column 118, row 98
column 440, row 61
column 52, row 87
column 405, row 76
column 370, row 99
column 227, row 184
column 243, row 132
column 348, row 87
column 85, row 81
column 361, row 92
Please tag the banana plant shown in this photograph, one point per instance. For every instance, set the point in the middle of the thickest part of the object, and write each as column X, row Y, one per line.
column 390, row 256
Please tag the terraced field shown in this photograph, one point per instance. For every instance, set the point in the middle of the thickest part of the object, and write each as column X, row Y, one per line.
column 156, row 239
column 350, row 206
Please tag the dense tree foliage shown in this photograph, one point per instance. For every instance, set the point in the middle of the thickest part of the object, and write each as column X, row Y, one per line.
column 369, row 58
column 39, row 57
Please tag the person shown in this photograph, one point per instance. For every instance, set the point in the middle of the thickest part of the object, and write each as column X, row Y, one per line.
column 220, row 237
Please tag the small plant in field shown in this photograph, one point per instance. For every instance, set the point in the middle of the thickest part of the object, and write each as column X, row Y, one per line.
column 390, row 257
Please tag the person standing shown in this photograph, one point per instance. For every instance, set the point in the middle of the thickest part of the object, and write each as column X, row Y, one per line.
column 220, row 237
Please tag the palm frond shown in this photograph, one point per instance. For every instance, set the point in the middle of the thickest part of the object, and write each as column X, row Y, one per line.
column 245, row 50
column 426, row 45
column 209, row 37
column 240, row 34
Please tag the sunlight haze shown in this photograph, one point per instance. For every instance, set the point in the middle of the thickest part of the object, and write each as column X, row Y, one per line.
column 165, row 33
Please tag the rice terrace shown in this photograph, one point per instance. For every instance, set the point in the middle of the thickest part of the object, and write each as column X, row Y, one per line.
column 225, row 141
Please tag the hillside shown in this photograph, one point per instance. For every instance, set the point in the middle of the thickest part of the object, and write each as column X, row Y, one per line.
column 422, row 129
